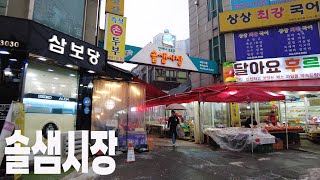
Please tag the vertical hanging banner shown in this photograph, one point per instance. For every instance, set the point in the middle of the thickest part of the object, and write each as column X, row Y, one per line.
column 115, row 37
column 235, row 116
column 115, row 7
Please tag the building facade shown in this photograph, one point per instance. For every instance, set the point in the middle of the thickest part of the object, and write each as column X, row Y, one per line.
column 53, row 71
column 164, row 78
column 207, row 41
column 184, row 44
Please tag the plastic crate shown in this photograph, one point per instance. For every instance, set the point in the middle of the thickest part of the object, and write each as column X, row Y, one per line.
column 277, row 146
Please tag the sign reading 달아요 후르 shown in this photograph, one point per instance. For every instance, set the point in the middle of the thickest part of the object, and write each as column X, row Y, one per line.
column 276, row 69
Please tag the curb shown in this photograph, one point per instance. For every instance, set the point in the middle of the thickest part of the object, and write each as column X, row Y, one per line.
column 305, row 150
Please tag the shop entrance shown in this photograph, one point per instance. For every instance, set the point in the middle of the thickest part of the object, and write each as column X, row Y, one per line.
column 11, row 73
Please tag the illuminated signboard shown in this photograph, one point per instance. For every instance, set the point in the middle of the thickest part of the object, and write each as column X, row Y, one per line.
column 276, row 69
column 277, row 14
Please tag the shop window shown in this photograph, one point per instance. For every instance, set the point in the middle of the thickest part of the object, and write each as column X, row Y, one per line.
column 3, row 7
column 210, row 50
column 50, row 99
column 51, row 12
column 50, row 89
column 217, row 51
column 213, row 10
column 171, row 75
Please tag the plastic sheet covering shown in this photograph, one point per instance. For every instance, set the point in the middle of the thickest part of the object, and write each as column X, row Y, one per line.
column 239, row 139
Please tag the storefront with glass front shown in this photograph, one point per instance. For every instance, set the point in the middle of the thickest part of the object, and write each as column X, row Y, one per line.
column 65, row 84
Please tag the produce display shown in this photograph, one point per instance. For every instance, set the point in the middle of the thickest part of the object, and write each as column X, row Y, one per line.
column 283, row 128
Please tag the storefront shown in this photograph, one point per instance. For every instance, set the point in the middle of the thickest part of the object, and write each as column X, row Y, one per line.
column 65, row 83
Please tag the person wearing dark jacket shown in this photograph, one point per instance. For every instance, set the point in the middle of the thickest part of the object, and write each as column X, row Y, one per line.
column 248, row 122
column 172, row 124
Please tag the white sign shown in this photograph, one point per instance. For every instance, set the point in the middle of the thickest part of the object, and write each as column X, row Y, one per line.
column 17, row 161
column 164, row 56
column 276, row 69
column 76, row 51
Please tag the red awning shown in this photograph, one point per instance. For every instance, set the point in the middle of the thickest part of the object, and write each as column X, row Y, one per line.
column 243, row 95
column 293, row 85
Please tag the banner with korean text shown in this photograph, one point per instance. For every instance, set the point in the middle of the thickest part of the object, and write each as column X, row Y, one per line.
column 175, row 58
column 115, row 37
column 245, row 4
column 284, row 41
column 115, row 7
column 277, row 14
column 276, row 69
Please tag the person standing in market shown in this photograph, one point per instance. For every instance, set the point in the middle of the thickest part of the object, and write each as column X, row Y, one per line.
column 172, row 124
column 272, row 118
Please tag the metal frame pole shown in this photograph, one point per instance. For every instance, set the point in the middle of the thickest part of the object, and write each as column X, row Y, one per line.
column 285, row 116
column 251, row 127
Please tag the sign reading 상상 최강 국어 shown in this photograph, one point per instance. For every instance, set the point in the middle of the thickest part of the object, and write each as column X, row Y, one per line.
column 277, row 14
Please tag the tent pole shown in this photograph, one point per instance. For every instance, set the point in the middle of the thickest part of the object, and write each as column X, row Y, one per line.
column 251, row 127
column 285, row 115
column 199, row 114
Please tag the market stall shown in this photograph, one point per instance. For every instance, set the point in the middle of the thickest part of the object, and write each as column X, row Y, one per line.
column 249, row 96
column 157, row 120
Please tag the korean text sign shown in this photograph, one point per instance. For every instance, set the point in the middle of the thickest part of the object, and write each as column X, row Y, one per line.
column 275, row 69
column 115, row 37
column 286, row 13
column 115, row 7
column 48, row 157
column 175, row 58
column 294, row 40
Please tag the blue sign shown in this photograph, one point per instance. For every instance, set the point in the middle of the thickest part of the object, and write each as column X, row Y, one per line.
column 87, row 102
column 86, row 110
column 279, row 1
column 138, row 139
column 297, row 40
column 254, row 45
column 245, row 4
column 205, row 66
column 277, row 42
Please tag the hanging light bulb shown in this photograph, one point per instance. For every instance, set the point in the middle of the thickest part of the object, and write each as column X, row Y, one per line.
column 90, row 85
column 7, row 71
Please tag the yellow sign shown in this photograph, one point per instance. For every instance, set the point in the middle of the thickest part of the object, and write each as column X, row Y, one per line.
column 115, row 7
column 235, row 116
column 278, row 14
column 115, row 37
column 19, row 119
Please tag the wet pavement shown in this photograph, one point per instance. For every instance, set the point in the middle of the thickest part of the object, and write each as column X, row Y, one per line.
column 193, row 161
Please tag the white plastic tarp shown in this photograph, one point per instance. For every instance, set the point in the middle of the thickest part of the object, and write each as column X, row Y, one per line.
column 239, row 139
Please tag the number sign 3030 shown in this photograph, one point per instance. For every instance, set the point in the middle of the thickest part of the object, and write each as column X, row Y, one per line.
column 9, row 43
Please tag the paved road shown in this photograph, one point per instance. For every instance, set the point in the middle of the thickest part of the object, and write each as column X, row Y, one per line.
column 189, row 161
